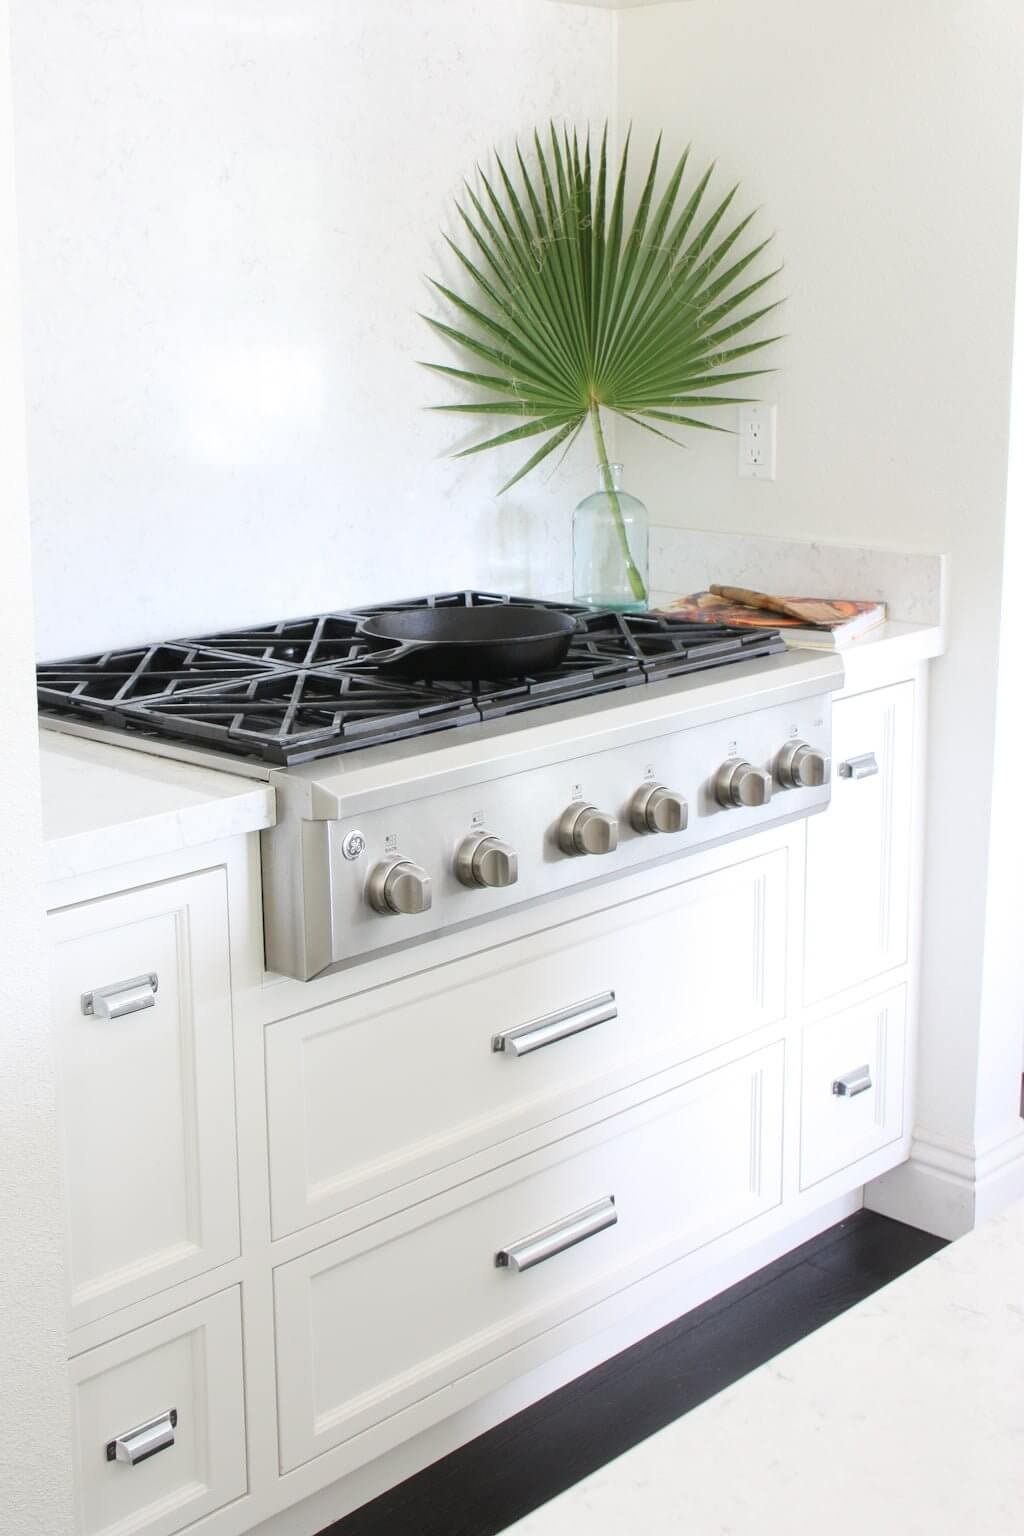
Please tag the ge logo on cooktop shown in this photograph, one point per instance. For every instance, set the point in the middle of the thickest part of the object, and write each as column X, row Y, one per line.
column 354, row 845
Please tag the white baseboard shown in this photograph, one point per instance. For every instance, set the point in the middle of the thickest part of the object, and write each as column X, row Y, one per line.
column 948, row 1189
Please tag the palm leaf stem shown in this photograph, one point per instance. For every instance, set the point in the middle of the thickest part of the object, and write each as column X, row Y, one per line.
column 636, row 581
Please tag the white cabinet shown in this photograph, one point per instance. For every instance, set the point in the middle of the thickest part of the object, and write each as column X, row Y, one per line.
column 387, row 1317
column 851, row 1098
column 159, row 1428
column 858, row 851
column 391, row 1155
column 367, row 1094
column 148, row 1089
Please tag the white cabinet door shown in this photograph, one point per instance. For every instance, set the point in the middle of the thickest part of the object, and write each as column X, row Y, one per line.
column 159, row 1425
column 386, row 1318
column 858, row 851
column 851, row 1101
column 148, row 1092
column 370, row 1093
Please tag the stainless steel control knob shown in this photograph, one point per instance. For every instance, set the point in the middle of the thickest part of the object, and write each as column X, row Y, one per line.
column 739, row 783
column 585, row 829
column 486, row 861
column 799, row 766
column 398, row 886
column 656, row 809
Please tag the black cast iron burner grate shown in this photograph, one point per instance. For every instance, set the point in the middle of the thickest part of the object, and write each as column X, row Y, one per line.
column 285, row 692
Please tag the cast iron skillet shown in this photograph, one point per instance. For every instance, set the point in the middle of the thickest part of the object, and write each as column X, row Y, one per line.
column 469, row 643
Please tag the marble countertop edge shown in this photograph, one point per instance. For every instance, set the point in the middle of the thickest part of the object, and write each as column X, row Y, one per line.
column 105, row 806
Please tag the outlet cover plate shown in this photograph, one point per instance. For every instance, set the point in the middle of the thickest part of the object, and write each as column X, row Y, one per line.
column 757, row 442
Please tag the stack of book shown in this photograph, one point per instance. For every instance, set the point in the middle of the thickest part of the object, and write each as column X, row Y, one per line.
column 824, row 624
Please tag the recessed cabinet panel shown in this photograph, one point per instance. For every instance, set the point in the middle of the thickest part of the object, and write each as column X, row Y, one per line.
column 858, row 851
column 159, row 1431
column 148, row 1089
column 852, row 1085
column 369, row 1093
column 387, row 1317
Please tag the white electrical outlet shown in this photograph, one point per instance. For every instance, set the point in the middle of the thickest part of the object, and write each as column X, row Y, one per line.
column 757, row 442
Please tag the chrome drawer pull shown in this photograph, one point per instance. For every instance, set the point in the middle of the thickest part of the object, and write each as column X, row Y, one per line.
column 564, row 1234
column 145, row 1440
column 852, row 1083
column 556, row 1026
column 122, row 997
column 862, row 767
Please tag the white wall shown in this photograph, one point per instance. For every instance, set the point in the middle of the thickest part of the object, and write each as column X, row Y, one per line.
column 226, row 215
column 227, row 211
column 1001, row 1057
column 883, row 142
column 35, row 1466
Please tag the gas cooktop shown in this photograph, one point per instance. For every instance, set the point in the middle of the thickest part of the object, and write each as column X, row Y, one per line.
column 299, row 689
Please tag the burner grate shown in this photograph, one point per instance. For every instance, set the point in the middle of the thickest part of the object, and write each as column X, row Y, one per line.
column 103, row 684
column 293, row 716
column 286, row 692
column 329, row 638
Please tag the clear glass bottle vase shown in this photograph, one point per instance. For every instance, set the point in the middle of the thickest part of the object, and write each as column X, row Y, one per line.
column 609, row 546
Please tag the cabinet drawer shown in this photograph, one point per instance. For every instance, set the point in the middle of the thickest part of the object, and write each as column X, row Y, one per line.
column 367, row 1094
column 148, row 1089
column 159, row 1431
column 852, row 1085
column 858, row 852
column 383, row 1319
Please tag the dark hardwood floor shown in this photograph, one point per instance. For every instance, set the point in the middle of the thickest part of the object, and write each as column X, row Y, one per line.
column 499, row 1477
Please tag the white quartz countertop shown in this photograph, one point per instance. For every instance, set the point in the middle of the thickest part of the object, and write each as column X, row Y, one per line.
column 888, row 651
column 902, row 1417
column 106, row 805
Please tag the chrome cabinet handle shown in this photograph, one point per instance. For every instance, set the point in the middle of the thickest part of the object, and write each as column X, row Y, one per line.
column 564, row 1234
column 121, row 997
column 852, row 1083
column 556, row 1026
column 862, row 767
column 145, row 1440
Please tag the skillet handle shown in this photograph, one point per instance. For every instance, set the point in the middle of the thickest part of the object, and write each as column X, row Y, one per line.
column 385, row 656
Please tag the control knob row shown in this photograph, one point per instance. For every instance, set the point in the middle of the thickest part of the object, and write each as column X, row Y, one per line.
column 398, row 885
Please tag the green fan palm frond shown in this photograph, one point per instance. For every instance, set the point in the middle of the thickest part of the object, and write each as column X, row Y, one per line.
column 572, row 311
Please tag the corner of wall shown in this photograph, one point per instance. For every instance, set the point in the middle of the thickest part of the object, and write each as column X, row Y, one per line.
column 947, row 1191
column 35, row 1461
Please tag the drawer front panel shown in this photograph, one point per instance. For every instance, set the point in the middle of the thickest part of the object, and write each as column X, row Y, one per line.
column 852, row 1085
column 367, row 1094
column 858, row 852
column 159, row 1432
column 148, row 1089
column 372, row 1324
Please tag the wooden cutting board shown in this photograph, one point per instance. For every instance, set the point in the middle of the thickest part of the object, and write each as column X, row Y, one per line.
column 809, row 610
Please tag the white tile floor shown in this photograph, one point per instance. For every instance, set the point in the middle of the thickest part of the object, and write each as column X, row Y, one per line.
column 903, row 1416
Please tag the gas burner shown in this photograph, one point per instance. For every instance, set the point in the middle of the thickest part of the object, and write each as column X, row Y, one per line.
column 299, row 689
